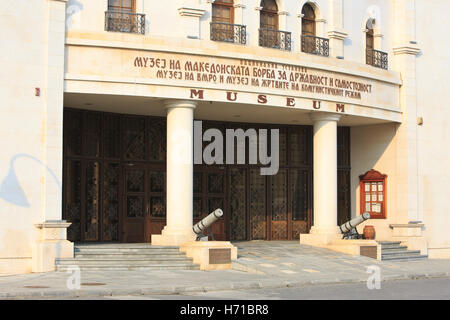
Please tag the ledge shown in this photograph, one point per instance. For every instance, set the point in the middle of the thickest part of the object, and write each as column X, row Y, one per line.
column 413, row 50
column 191, row 12
column 53, row 224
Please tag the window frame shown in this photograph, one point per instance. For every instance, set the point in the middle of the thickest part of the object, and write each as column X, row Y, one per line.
column 120, row 8
column 311, row 20
column 219, row 3
column 269, row 12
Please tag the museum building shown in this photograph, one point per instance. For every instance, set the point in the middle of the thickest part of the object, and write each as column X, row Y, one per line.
column 107, row 103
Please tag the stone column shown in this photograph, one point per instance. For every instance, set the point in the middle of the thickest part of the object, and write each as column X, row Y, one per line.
column 180, row 153
column 325, row 227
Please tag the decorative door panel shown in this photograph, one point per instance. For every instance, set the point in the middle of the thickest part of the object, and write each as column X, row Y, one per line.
column 135, row 206
column 72, row 198
column 209, row 195
column 278, row 205
column 92, row 202
column 157, row 202
column 299, row 186
column 215, row 199
column 258, row 202
column 110, row 221
column 238, row 204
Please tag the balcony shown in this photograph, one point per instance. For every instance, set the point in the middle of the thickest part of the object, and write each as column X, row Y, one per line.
column 378, row 59
column 276, row 39
column 226, row 32
column 315, row 45
column 122, row 21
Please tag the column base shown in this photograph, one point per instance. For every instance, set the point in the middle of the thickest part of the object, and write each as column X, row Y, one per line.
column 51, row 246
column 211, row 255
column 171, row 238
column 320, row 236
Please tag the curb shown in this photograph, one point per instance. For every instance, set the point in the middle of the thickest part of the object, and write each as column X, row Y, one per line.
column 226, row 286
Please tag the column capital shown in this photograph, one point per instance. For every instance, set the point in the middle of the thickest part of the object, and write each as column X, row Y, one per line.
column 324, row 116
column 179, row 104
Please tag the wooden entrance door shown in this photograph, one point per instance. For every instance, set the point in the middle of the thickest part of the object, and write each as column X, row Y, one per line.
column 209, row 195
column 144, row 203
column 135, row 203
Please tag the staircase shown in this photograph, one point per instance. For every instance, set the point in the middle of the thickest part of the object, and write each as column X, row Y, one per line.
column 123, row 257
column 393, row 251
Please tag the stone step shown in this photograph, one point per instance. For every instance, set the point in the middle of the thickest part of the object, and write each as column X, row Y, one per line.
column 120, row 263
column 114, row 250
column 186, row 266
column 389, row 243
column 393, row 247
column 399, row 251
column 128, row 255
column 404, row 258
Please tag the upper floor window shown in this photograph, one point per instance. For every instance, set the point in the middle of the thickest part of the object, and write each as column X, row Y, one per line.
column 308, row 20
column 223, row 11
column 122, row 5
column 269, row 15
column 222, row 23
column 374, row 57
column 309, row 41
column 122, row 17
column 269, row 35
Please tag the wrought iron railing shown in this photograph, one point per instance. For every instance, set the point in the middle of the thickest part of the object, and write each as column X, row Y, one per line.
column 228, row 32
column 277, row 39
column 122, row 21
column 315, row 45
column 377, row 58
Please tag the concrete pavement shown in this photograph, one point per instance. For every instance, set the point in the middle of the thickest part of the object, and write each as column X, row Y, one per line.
column 260, row 265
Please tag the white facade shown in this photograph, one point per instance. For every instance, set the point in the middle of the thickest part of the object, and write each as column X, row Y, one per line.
column 57, row 54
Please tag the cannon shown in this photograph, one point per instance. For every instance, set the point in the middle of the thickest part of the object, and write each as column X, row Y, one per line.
column 349, row 230
column 200, row 227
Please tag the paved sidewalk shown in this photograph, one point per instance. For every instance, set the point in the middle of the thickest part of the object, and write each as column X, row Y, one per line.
column 259, row 265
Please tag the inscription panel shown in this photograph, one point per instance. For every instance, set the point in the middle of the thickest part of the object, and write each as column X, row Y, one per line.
column 219, row 256
column 236, row 77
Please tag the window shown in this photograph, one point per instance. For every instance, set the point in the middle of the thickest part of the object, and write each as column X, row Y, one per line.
column 308, row 20
column 122, row 17
column 122, row 5
column 309, row 41
column 223, row 11
column 373, row 194
column 269, row 35
column 374, row 57
column 269, row 15
column 222, row 23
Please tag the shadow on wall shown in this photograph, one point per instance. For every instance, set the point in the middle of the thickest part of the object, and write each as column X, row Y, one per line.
column 10, row 188
column 371, row 148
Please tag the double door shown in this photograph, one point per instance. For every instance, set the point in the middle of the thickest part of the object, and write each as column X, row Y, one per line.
column 269, row 207
column 144, row 203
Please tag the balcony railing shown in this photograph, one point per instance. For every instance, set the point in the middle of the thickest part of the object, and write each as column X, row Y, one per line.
column 377, row 58
column 277, row 39
column 227, row 32
column 315, row 45
column 122, row 21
